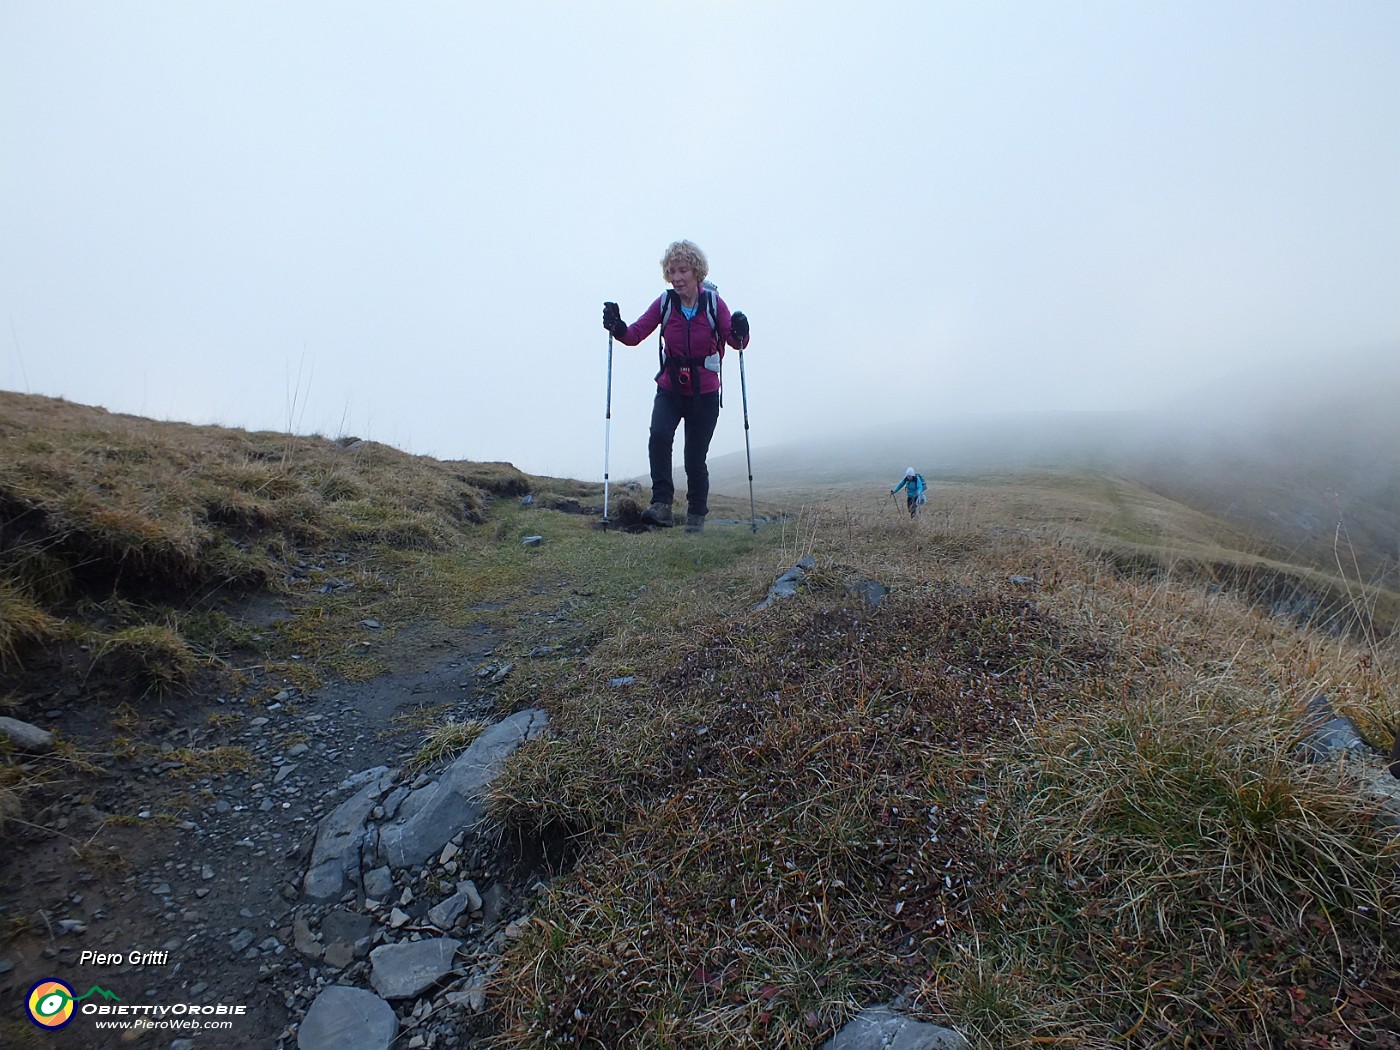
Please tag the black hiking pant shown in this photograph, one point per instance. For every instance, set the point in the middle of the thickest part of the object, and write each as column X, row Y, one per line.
column 700, row 413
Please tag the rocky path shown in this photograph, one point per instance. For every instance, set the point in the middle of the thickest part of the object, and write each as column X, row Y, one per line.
column 163, row 884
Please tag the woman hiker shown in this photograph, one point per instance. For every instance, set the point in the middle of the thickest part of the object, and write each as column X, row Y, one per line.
column 696, row 326
column 914, row 484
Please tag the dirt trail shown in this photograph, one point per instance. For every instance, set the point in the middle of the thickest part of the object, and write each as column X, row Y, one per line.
column 182, row 885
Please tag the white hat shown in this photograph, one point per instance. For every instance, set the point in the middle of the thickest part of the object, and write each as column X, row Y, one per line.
column 910, row 472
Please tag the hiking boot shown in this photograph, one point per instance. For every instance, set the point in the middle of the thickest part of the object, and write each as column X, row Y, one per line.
column 695, row 523
column 658, row 514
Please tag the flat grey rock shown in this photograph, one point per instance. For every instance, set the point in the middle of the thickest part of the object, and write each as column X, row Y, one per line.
column 1338, row 734
column 1326, row 732
column 363, row 777
column 880, row 1028
column 24, row 736
column 786, row 585
column 342, row 1017
column 325, row 882
column 871, row 592
column 335, row 859
column 379, row 883
column 445, row 915
column 433, row 814
column 409, row 968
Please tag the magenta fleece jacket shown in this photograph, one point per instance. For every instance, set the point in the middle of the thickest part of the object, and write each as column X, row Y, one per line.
column 690, row 340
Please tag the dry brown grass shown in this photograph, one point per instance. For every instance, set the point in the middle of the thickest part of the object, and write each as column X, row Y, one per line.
column 98, row 508
column 139, row 505
column 1059, row 811
column 23, row 625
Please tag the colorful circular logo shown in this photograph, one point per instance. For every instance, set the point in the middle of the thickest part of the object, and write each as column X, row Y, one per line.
column 51, row 1004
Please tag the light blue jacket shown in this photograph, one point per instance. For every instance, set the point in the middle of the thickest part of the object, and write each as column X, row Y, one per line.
column 916, row 486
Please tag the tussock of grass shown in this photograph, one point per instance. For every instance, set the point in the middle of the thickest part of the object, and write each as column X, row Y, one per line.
column 155, row 655
column 499, row 479
column 443, row 741
column 1170, row 852
column 22, row 625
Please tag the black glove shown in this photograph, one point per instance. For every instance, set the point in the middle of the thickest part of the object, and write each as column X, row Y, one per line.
column 739, row 325
column 612, row 319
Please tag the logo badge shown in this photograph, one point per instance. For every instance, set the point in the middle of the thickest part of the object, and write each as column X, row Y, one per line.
column 51, row 1004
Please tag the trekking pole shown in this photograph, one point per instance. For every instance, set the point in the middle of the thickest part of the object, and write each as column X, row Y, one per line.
column 607, row 432
column 748, row 455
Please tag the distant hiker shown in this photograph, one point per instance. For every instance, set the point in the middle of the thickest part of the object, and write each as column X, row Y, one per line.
column 696, row 326
column 913, row 483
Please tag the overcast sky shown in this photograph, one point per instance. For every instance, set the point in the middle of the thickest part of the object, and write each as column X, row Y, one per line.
column 400, row 220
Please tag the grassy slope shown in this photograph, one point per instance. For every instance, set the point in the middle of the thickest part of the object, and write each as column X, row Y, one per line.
column 1306, row 458
column 1059, row 812
column 1052, row 812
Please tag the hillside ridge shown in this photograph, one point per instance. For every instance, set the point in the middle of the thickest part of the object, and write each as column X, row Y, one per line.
column 748, row 820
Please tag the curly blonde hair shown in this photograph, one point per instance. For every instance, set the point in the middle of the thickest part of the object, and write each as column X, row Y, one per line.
column 687, row 253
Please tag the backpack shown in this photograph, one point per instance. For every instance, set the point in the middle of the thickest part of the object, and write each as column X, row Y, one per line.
column 709, row 302
column 916, row 487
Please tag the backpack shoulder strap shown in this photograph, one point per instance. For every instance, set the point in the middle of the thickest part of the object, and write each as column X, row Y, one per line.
column 712, row 309
column 707, row 296
column 668, row 298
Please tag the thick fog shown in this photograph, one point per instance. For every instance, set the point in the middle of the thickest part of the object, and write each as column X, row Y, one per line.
column 400, row 221
column 1304, row 455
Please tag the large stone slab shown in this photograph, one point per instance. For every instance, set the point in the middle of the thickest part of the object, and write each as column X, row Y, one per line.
column 880, row 1028
column 335, row 858
column 342, row 1017
column 409, row 968
column 432, row 815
